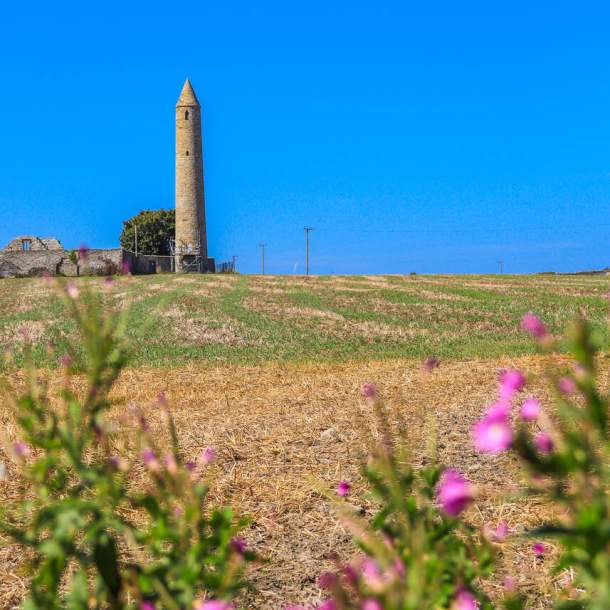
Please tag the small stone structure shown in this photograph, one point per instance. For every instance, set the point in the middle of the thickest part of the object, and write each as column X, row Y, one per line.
column 30, row 255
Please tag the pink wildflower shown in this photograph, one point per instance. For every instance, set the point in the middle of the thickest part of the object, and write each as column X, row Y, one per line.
column 72, row 290
column 544, row 443
column 511, row 382
column 431, row 363
column 501, row 531
column 191, row 466
column 371, row 604
column 493, row 433
column 170, row 463
column 208, row 455
column 125, row 268
column 368, row 390
column 532, row 324
column 509, row 584
column 350, row 573
column 83, row 253
column 65, row 360
column 343, row 488
column 465, row 600
column 239, row 545
column 567, row 385
column 162, row 399
column 454, row 492
column 371, row 574
column 150, row 459
column 21, row 449
column 530, row 409
column 328, row 604
column 538, row 549
column 147, row 605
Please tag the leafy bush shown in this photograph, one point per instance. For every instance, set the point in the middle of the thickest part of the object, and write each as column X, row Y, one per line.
column 416, row 553
column 567, row 455
column 95, row 539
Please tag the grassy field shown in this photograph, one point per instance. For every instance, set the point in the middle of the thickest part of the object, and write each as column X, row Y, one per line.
column 226, row 319
column 268, row 370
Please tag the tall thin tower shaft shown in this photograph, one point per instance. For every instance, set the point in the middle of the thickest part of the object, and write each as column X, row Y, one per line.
column 191, row 241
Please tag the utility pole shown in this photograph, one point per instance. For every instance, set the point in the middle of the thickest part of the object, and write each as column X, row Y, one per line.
column 136, row 230
column 262, row 247
column 501, row 265
column 307, row 231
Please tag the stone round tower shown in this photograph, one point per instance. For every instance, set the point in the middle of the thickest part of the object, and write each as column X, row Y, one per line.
column 191, row 243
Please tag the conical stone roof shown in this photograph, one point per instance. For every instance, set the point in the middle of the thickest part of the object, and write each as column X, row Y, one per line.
column 187, row 96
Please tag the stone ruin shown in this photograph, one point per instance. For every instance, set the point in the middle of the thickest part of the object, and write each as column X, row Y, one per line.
column 29, row 255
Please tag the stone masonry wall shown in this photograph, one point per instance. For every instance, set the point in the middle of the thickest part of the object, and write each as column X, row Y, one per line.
column 57, row 262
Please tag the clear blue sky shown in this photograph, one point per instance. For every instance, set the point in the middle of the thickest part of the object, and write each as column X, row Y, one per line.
column 414, row 136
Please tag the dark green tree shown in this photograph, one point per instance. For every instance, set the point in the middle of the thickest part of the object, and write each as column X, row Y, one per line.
column 155, row 229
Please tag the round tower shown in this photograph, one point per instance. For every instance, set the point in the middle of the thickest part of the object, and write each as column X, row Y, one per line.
column 191, row 243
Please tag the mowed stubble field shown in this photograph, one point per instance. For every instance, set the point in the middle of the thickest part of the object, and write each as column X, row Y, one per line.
column 268, row 370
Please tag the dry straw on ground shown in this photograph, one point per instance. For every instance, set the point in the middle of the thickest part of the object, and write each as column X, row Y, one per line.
column 277, row 426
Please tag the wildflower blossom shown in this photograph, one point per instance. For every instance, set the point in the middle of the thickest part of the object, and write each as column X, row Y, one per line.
column 372, row 575
column 509, row 584
column 493, row 433
column 72, row 290
column 150, row 459
column 368, row 390
column 454, row 492
column 431, row 363
column 21, row 449
column 343, row 488
column 65, row 360
column 239, row 545
column 147, row 605
column 371, row 604
column 543, row 442
column 530, row 409
column 501, row 531
column 162, row 399
column 170, row 463
column 208, row 455
column 533, row 325
column 83, row 253
column 566, row 385
column 465, row 600
column 328, row 604
column 538, row 549
column 511, row 382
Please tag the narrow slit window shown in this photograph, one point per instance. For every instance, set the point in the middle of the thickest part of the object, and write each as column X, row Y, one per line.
column 186, row 115
column 26, row 245
column 187, row 153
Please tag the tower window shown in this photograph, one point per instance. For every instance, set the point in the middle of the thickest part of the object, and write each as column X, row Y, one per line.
column 187, row 153
column 186, row 115
column 26, row 245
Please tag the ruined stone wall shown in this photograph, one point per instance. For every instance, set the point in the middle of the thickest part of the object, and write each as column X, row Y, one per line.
column 57, row 262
